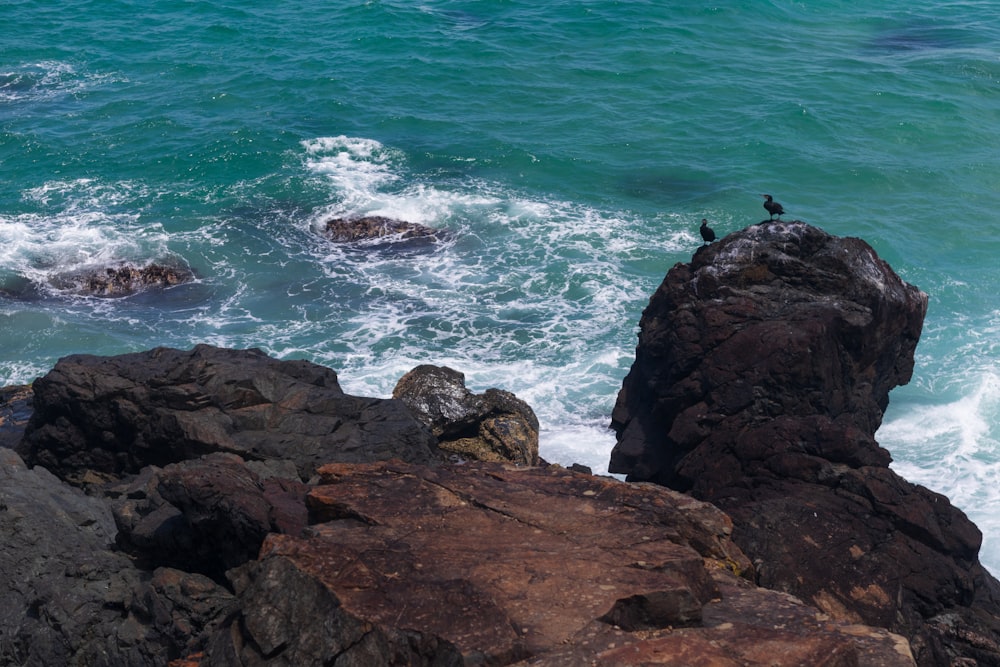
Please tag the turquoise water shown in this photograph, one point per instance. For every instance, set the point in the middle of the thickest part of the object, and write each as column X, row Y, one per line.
column 570, row 148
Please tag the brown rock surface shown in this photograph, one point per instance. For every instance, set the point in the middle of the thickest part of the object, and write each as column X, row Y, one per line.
column 489, row 564
column 761, row 375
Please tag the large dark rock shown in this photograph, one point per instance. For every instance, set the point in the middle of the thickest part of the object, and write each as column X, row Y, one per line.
column 761, row 375
column 493, row 426
column 116, row 415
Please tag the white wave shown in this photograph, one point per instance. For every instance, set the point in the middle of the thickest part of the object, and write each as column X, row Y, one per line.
column 15, row 372
column 523, row 296
column 357, row 168
column 359, row 172
column 46, row 80
column 583, row 443
column 954, row 449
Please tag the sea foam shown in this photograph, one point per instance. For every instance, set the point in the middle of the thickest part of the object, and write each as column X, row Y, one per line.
column 954, row 449
column 76, row 224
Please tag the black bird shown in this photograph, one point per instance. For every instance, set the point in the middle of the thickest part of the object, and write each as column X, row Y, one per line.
column 707, row 233
column 773, row 207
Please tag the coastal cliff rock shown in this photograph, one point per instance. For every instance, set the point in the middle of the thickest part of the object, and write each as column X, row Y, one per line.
column 241, row 510
column 761, row 375
column 219, row 559
column 492, row 426
column 116, row 415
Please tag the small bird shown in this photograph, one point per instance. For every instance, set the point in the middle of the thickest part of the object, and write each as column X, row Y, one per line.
column 707, row 233
column 773, row 207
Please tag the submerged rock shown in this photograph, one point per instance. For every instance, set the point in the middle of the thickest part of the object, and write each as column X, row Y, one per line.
column 761, row 375
column 492, row 426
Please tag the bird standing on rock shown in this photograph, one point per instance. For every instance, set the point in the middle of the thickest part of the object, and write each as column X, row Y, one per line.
column 707, row 233
column 773, row 207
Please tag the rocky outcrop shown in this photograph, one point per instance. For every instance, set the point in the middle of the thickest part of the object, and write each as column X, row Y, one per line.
column 116, row 415
column 485, row 564
column 241, row 510
column 218, row 561
column 761, row 375
column 375, row 227
column 492, row 426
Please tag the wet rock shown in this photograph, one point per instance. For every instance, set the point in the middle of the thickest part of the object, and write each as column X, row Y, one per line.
column 116, row 415
column 121, row 280
column 492, row 426
column 374, row 227
column 761, row 375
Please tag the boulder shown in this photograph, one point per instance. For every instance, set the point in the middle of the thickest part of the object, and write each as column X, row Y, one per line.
column 493, row 564
column 492, row 426
column 116, row 415
column 761, row 375
column 375, row 227
column 205, row 515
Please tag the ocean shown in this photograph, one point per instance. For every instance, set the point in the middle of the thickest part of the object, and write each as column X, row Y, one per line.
column 569, row 150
